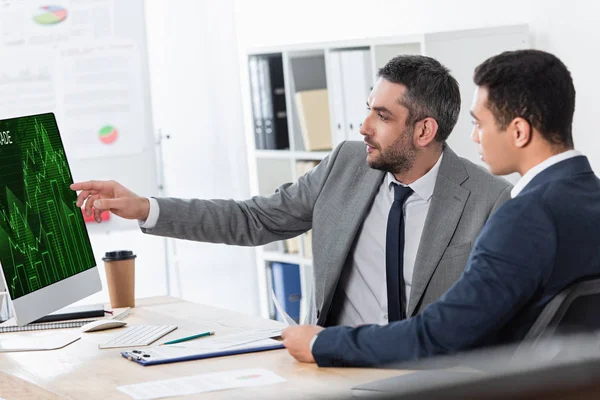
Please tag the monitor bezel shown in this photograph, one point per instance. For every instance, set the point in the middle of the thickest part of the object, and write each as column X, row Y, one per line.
column 34, row 305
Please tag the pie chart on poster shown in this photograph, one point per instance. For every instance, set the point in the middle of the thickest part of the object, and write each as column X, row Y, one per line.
column 108, row 134
column 50, row 15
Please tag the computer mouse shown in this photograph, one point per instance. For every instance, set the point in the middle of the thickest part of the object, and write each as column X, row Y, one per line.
column 102, row 324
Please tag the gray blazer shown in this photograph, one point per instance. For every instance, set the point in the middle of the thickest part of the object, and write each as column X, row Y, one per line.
column 333, row 199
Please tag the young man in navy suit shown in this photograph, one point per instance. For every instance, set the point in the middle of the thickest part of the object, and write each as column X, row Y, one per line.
column 539, row 242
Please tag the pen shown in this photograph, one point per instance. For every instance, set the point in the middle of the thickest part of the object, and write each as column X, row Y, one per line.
column 185, row 339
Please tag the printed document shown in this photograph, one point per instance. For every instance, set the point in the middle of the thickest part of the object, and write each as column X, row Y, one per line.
column 224, row 342
column 286, row 318
column 211, row 382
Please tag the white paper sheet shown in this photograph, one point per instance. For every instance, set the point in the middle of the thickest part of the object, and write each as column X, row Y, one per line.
column 27, row 83
column 101, row 99
column 218, row 342
column 286, row 318
column 201, row 383
column 12, row 23
column 80, row 19
column 310, row 316
column 91, row 18
column 43, row 340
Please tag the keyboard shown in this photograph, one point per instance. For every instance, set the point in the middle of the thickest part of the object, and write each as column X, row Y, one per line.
column 138, row 335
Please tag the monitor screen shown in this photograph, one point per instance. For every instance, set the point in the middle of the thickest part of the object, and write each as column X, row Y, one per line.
column 43, row 238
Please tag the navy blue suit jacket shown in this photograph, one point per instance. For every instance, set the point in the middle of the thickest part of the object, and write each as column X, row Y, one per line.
column 530, row 249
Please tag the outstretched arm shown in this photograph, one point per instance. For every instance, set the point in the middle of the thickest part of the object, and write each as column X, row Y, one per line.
column 259, row 220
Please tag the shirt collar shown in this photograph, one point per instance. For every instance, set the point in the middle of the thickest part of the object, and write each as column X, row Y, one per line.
column 533, row 172
column 423, row 186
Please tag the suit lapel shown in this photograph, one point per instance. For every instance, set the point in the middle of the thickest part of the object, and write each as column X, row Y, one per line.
column 360, row 196
column 447, row 205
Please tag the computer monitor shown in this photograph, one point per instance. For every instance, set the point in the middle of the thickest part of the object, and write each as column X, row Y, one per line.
column 45, row 252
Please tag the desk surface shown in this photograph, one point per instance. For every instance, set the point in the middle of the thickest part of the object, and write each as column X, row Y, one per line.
column 82, row 371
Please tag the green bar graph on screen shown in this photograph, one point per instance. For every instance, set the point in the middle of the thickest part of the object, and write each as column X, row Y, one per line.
column 43, row 238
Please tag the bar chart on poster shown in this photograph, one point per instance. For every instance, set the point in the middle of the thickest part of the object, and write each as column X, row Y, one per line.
column 85, row 61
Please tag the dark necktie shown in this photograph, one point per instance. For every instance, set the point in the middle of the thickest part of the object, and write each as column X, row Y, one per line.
column 394, row 255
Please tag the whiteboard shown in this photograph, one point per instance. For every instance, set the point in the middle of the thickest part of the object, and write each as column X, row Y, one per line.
column 86, row 61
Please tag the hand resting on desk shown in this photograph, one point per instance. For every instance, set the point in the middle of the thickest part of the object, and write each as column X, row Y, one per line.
column 297, row 341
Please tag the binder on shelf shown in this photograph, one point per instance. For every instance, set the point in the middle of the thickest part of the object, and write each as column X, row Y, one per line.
column 282, row 140
column 313, row 115
column 287, row 288
column 335, row 85
column 268, row 102
column 259, row 134
column 292, row 245
column 357, row 81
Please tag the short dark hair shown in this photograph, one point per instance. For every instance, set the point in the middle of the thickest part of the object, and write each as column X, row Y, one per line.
column 431, row 91
column 533, row 85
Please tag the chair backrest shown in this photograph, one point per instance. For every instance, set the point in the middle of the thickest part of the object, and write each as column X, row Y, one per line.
column 575, row 309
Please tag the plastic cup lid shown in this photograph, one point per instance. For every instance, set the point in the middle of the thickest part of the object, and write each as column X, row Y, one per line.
column 118, row 255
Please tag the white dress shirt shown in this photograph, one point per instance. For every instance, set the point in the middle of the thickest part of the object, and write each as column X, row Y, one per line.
column 363, row 285
column 533, row 172
column 152, row 215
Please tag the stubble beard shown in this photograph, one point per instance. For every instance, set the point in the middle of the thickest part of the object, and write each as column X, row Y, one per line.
column 397, row 158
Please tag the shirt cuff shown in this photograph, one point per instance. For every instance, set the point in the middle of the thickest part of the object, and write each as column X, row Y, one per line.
column 312, row 342
column 152, row 215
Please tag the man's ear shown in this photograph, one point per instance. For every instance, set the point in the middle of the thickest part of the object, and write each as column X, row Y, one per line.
column 521, row 132
column 425, row 131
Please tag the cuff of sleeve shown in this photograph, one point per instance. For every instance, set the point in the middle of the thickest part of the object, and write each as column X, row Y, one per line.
column 152, row 215
column 328, row 349
column 312, row 342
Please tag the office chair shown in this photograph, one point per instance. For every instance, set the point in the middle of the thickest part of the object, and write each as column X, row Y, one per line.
column 575, row 309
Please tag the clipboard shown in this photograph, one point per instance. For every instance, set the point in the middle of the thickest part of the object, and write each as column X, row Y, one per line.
column 176, row 353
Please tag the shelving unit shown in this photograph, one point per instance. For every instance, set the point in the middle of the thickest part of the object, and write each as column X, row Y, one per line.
column 347, row 69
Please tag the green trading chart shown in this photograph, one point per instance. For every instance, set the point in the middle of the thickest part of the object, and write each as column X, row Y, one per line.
column 43, row 238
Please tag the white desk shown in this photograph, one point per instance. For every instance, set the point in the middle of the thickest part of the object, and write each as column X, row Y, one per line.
column 82, row 371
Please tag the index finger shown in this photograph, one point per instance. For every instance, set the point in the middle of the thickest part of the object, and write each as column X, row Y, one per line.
column 99, row 186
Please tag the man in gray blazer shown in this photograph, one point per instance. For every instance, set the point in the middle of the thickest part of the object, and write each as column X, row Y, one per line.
column 376, row 257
